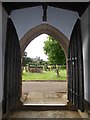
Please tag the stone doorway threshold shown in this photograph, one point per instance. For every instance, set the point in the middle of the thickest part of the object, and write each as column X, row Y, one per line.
column 45, row 98
column 44, row 93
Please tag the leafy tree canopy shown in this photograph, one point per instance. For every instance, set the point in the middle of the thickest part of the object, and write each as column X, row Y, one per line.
column 54, row 51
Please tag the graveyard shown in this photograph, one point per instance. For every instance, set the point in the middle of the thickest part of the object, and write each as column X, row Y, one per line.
column 42, row 73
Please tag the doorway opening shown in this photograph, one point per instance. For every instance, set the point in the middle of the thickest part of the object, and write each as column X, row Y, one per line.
column 44, row 91
column 14, row 98
column 19, row 65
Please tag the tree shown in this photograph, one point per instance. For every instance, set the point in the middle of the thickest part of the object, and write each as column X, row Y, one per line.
column 25, row 60
column 54, row 51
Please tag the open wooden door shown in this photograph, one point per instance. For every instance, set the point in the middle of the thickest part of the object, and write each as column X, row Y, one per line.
column 12, row 70
column 75, row 69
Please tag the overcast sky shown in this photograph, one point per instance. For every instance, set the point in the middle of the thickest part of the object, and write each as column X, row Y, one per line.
column 35, row 48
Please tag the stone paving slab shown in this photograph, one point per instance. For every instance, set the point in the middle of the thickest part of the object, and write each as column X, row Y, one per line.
column 46, row 114
column 45, row 98
column 44, row 93
column 35, row 95
column 44, row 86
column 31, row 101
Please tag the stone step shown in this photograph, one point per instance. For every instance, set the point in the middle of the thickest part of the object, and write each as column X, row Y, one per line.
column 44, row 107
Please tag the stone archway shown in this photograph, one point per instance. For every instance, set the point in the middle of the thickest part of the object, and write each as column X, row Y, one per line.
column 48, row 29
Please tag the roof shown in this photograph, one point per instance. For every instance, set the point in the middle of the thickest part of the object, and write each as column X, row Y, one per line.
column 79, row 7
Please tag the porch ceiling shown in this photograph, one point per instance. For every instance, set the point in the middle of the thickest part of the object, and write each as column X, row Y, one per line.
column 79, row 7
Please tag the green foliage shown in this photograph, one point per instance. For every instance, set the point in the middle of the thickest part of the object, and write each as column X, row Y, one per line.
column 63, row 67
column 34, row 62
column 25, row 60
column 54, row 51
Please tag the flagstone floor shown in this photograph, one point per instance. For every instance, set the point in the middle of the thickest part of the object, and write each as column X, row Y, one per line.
column 45, row 98
column 46, row 114
column 38, row 93
column 44, row 93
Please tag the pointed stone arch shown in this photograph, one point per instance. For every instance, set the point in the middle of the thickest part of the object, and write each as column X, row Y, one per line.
column 50, row 30
column 41, row 29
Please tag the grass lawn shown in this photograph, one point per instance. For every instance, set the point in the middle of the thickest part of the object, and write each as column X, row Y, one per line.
column 46, row 75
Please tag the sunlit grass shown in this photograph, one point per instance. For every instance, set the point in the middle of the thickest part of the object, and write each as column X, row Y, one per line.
column 45, row 75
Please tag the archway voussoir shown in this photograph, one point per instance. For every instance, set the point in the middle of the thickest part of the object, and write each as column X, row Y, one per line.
column 48, row 29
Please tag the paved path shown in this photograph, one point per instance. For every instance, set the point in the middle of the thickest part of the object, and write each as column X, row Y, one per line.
column 44, row 93
column 44, row 87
